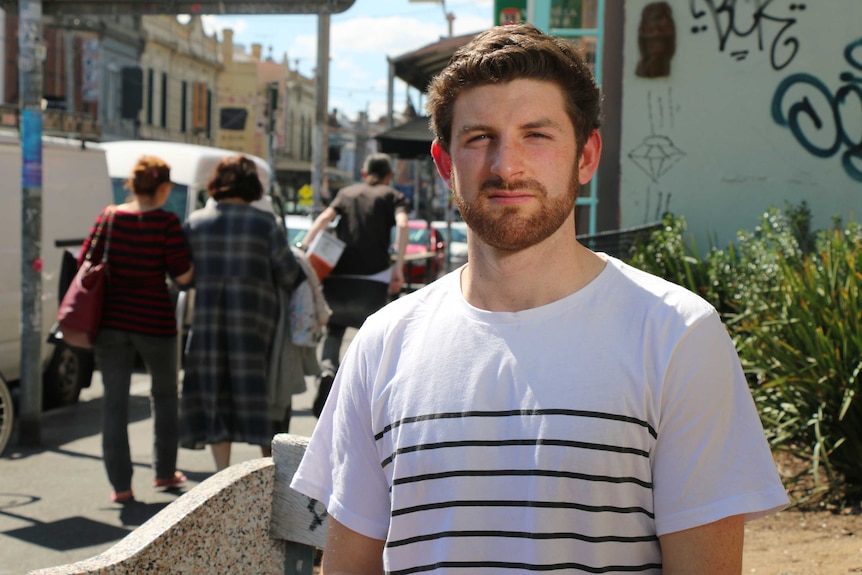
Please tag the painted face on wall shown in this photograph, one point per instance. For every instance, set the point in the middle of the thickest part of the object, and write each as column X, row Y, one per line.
column 656, row 40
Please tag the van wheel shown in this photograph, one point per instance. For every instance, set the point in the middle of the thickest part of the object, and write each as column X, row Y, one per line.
column 68, row 371
column 7, row 414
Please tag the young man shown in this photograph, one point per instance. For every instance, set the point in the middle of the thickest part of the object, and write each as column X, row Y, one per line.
column 545, row 407
column 364, row 276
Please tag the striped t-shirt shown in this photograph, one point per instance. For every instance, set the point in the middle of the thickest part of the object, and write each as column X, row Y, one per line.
column 144, row 248
column 567, row 437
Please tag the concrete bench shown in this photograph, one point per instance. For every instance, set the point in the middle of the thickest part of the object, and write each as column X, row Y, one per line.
column 245, row 519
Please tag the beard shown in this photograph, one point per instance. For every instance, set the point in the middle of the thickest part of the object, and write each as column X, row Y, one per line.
column 506, row 228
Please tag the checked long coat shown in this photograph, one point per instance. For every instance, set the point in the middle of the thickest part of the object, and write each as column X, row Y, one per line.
column 240, row 256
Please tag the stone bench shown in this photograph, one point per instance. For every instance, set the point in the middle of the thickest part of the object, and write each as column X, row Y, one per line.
column 245, row 519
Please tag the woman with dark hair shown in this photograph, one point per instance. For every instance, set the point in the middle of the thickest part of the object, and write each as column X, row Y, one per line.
column 242, row 258
column 145, row 244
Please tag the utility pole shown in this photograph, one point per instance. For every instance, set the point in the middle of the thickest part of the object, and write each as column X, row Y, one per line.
column 30, row 53
column 320, row 142
column 272, row 93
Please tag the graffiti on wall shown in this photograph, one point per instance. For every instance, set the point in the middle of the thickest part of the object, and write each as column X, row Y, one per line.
column 657, row 153
column 823, row 123
column 767, row 24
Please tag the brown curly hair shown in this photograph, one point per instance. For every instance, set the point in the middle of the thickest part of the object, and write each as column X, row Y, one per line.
column 512, row 52
column 235, row 177
column 148, row 174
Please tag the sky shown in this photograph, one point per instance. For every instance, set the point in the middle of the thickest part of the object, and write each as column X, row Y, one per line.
column 360, row 39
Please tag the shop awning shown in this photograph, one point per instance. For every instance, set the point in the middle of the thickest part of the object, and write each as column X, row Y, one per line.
column 409, row 140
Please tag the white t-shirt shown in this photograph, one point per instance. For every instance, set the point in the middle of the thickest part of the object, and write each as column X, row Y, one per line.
column 567, row 436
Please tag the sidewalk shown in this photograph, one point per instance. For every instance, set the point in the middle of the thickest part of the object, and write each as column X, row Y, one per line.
column 55, row 503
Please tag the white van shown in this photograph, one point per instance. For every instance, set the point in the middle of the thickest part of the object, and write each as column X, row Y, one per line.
column 75, row 188
column 191, row 169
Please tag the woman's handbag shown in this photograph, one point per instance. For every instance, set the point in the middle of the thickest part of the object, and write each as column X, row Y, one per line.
column 81, row 309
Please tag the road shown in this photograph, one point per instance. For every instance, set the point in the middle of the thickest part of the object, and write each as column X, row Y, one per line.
column 55, row 503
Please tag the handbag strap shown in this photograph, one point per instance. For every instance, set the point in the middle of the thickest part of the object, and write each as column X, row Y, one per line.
column 109, row 211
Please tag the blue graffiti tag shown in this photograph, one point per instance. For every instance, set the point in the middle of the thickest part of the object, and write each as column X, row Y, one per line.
column 729, row 20
column 829, row 116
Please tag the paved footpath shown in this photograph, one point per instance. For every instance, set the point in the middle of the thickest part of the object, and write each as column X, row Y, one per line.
column 55, row 505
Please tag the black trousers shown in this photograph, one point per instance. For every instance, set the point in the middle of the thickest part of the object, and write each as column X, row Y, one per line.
column 352, row 300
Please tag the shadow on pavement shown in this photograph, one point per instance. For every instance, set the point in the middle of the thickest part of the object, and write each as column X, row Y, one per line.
column 74, row 422
column 74, row 532
column 69, row 533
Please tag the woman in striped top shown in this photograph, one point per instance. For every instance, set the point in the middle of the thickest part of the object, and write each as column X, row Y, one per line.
column 146, row 245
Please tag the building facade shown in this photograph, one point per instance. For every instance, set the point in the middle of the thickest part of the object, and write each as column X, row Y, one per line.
column 86, row 58
column 180, row 68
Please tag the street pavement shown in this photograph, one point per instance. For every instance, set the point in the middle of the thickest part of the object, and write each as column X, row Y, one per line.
column 55, row 505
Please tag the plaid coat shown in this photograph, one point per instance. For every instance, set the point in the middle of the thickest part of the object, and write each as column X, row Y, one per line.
column 240, row 257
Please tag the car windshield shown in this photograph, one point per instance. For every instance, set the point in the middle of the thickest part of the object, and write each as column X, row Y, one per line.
column 418, row 236
column 295, row 236
column 459, row 234
column 415, row 236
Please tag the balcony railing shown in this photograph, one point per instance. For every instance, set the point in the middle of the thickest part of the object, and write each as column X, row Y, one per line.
column 56, row 123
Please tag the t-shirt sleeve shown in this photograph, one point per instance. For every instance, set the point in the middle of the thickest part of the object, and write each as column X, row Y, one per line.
column 342, row 467
column 711, row 458
column 401, row 203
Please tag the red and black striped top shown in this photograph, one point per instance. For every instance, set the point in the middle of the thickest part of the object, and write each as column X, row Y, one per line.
column 144, row 248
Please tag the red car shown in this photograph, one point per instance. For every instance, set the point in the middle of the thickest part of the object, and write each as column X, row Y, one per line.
column 425, row 247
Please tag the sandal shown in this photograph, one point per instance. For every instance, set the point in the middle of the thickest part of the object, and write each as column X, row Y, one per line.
column 175, row 481
column 122, row 496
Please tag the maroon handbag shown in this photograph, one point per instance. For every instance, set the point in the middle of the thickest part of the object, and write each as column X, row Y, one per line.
column 80, row 311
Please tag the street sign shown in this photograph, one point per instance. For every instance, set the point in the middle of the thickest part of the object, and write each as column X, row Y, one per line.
column 139, row 7
column 306, row 196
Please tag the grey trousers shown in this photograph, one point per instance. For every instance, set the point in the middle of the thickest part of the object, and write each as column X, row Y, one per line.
column 115, row 357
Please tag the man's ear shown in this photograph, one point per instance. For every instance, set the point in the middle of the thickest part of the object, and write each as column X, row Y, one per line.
column 590, row 155
column 443, row 162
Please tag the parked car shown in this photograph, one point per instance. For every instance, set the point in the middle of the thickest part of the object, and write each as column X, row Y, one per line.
column 297, row 225
column 421, row 239
column 456, row 245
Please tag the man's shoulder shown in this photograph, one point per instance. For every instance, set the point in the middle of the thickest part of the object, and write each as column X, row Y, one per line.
column 656, row 293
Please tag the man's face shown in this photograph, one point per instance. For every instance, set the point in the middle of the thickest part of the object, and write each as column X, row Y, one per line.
column 514, row 168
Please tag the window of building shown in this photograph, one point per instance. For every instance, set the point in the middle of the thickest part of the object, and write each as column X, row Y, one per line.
column 150, row 78
column 164, row 110
column 184, row 106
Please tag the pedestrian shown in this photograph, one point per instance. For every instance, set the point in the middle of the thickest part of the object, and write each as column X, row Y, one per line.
column 241, row 259
column 544, row 407
column 145, row 244
column 363, row 278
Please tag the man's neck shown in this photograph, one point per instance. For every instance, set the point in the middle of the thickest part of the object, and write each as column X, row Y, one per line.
column 527, row 279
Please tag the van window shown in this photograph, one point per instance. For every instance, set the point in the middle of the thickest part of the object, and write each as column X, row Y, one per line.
column 176, row 199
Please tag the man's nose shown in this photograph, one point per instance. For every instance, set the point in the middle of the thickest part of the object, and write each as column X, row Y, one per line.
column 507, row 159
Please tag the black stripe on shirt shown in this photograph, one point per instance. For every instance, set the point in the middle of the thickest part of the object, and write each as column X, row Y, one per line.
column 523, row 535
column 521, row 473
column 514, row 442
column 508, row 503
column 526, row 567
column 517, row 413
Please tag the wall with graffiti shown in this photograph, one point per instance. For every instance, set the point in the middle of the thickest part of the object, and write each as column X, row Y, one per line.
column 733, row 106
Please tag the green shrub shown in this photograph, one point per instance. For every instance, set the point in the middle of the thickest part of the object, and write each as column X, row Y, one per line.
column 790, row 299
column 804, row 351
